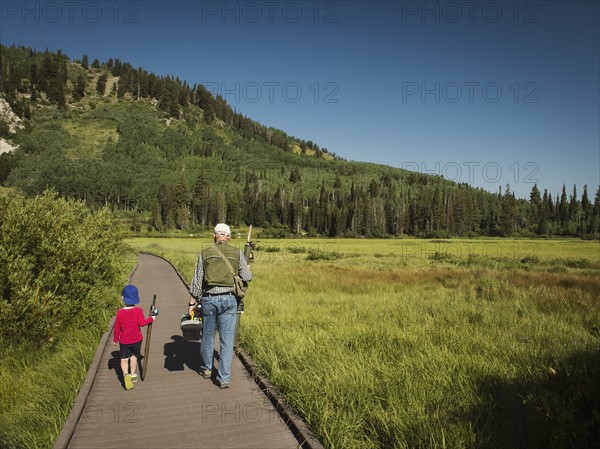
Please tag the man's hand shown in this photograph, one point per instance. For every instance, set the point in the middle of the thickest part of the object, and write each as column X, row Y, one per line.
column 192, row 305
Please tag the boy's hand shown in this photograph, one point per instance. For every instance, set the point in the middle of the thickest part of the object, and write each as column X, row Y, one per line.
column 115, row 343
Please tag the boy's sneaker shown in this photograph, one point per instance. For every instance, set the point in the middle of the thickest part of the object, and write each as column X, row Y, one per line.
column 206, row 373
column 224, row 385
column 128, row 382
column 134, row 378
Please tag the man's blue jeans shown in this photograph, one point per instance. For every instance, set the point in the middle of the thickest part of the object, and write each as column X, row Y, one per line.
column 218, row 311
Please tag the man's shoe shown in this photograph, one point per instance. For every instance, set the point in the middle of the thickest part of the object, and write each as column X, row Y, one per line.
column 206, row 373
column 224, row 385
column 128, row 383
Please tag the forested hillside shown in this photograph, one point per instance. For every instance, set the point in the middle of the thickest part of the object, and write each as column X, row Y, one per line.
column 169, row 155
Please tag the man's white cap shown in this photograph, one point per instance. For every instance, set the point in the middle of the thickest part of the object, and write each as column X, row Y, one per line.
column 222, row 229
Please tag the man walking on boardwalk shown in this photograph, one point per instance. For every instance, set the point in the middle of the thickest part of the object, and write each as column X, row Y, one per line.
column 213, row 284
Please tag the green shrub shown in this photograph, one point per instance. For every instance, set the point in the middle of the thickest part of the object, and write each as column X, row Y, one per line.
column 530, row 260
column 315, row 254
column 271, row 249
column 578, row 263
column 59, row 264
column 296, row 249
column 443, row 257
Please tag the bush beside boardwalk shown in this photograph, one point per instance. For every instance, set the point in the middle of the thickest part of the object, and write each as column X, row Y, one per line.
column 61, row 269
column 413, row 343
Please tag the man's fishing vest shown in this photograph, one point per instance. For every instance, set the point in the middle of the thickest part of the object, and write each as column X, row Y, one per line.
column 216, row 271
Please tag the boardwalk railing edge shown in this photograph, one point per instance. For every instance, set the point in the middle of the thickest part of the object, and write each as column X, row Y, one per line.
column 300, row 430
column 64, row 438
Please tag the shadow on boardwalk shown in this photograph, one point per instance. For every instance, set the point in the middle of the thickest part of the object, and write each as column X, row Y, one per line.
column 180, row 354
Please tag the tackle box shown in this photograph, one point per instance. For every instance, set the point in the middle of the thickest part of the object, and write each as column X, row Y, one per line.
column 191, row 327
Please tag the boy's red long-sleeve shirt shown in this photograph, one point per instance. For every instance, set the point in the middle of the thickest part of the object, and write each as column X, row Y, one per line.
column 127, row 325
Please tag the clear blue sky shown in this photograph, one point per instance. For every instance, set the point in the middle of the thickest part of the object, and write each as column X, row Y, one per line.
column 487, row 92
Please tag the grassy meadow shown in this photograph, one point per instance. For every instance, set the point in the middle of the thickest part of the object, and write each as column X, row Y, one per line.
column 426, row 343
column 38, row 386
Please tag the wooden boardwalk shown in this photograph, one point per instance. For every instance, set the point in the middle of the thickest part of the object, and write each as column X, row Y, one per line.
column 174, row 407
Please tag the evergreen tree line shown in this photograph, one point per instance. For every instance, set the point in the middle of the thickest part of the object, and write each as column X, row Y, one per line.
column 382, row 207
column 182, row 176
column 194, row 172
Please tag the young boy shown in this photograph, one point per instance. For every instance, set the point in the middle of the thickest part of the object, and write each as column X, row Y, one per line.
column 127, row 332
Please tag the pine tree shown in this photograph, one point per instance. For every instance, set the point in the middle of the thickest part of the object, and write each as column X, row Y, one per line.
column 535, row 202
column 573, row 203
column 542, row 223
column 297, row 212
column 294, row 175
column 121, row 88
column 33, row 75
column 322, row 211
column 182, row 204
column 5, row 167
column 101, row 84
column 79, row 89
column 116, row 68
column 574, row 213
column 437, row 210
column 586, row 210
column 234, row 208
column 508, row 213
column 595, row 226
column 201, row 200
column 59, row 95
column 563, row 211
column 168, row 206
column 552, row 209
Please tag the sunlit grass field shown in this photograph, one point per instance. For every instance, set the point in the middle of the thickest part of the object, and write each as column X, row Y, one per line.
column 426, row 343
column 38, row 386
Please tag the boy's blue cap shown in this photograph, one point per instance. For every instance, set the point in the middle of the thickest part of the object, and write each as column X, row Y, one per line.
column 130, row 294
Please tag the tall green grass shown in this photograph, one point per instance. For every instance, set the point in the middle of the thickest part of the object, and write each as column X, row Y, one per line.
column 380, row 347
column 38, row 385
column 378, row 360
